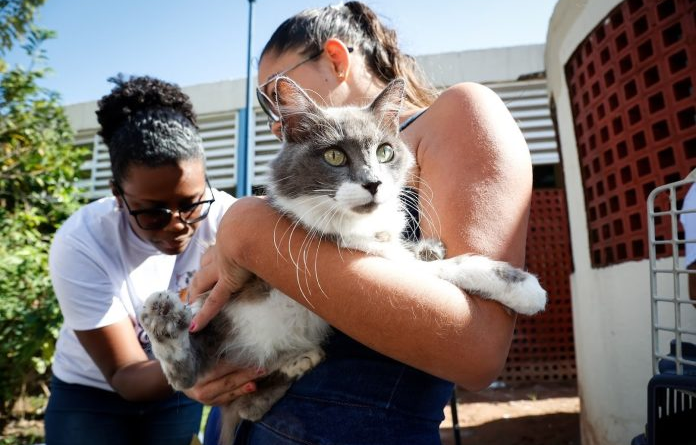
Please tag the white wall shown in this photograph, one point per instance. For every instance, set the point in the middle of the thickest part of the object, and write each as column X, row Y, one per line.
column 611, row 306
column 209, row 98
column 444, row 69
column 218, row 105
column 483, row 65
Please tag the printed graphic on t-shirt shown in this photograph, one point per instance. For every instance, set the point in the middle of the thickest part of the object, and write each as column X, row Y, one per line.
column 182, row 283
column 142, row 337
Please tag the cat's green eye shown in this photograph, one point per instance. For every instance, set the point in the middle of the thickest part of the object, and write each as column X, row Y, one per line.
column 385, row 153
column 335, row 157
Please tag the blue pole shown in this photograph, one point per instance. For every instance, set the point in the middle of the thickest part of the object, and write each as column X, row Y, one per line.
column 247, row 123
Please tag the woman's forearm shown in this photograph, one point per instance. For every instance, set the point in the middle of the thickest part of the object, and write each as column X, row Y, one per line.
column 141, row 382
column 121, row 359
column 418, row 319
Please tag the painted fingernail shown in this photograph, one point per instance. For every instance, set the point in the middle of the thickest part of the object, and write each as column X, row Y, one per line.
column 249, row 387
column 260, row 372
column 193, row 326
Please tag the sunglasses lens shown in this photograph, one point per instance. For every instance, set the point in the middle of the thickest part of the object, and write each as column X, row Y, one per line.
column 154, row 219
column 196, row 212
column 267, row 106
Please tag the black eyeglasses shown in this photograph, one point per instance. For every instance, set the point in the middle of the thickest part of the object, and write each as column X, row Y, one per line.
column 267, row 104
column 157, row 218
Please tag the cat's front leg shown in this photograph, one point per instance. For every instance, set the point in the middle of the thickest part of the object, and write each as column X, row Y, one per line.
column 494, row 280
column 166, row 320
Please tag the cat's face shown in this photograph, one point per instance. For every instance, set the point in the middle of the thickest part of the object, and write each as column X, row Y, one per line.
column 346, row 161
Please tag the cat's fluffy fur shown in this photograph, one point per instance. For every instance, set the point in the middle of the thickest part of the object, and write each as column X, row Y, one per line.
column 339, row 174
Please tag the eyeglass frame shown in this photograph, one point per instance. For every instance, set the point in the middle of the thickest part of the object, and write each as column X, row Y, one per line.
column 266, row 102
column 165, row 210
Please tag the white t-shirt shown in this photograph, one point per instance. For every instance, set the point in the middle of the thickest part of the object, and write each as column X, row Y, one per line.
column 102, row 273
column 688, row 221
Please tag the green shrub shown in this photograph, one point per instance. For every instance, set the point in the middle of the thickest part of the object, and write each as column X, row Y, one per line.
column 38, row 169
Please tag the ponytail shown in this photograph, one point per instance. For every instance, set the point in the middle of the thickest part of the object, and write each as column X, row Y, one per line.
column 386, row 60
column 357, row 25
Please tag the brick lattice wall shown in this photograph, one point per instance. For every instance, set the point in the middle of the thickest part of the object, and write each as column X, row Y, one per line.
column 543, row 348
column 631, row 84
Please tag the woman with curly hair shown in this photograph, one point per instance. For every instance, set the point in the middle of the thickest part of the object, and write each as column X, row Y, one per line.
column 110, row 255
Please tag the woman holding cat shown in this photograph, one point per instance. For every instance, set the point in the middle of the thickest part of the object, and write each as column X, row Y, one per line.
column 110, row 255
column 400, row 338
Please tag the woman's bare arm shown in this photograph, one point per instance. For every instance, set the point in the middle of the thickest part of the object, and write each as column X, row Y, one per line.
column 119, row 356
column 476, row 165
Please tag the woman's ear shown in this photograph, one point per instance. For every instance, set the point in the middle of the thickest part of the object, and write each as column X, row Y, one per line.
column 339, row 55
column 116, row 193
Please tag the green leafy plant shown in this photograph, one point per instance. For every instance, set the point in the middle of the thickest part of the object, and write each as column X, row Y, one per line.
column 38, row 169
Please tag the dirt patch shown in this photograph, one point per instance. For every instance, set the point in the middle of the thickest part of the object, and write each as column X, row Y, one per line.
column 532, row 415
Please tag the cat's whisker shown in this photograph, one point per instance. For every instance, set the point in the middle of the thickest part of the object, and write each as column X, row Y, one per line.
column 286, row 178
column 342, row 236
column 292, row 231
column 316, row 266
column 294, row 227
column 275, row 238
column 431, row 215
column 311, row 235
column 287, row 212
column 276, row 241
column 297, row 277
column 330, row 214
column 425, row 186
column 426, row 209
column 304, row 247
column 318, row 236
column 425, row 217
column 306, row 243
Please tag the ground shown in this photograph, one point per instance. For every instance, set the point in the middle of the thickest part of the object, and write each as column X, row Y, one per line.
column 541, row 414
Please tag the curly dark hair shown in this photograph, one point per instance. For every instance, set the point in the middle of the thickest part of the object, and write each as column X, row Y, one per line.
column 147, row 121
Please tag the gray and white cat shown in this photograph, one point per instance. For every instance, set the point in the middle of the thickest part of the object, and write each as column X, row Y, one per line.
column 340, row 174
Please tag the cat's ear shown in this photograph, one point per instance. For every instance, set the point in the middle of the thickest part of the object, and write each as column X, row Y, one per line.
column 387, row 105
column 298, row 113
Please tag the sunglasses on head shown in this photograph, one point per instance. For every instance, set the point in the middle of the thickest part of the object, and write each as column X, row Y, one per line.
column 267, row 104
column 157, row 218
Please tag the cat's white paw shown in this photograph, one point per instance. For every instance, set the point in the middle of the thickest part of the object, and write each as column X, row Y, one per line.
column 297, row 366
column 528, row 297
column 164, row 317
column 166, row 320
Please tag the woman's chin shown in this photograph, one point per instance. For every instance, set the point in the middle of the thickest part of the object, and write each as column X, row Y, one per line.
column 172, row 247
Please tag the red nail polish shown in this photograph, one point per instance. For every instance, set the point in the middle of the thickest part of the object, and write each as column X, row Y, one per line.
column 192, row 327
column 249, row 387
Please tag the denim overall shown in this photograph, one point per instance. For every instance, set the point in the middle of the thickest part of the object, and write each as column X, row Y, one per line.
column 356, row 396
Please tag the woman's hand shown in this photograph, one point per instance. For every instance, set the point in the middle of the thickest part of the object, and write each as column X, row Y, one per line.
column 224, row 384
column 218, row 273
